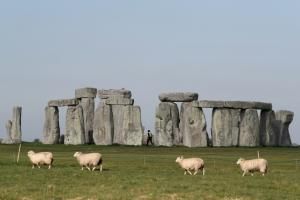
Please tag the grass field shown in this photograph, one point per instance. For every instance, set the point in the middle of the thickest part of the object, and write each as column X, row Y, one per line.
column 148, row 173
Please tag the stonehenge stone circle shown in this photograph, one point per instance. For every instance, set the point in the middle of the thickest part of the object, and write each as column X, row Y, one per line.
column 167, row 124
column 178, row 97
column 225, row 127
column 284, row 118
column 193, row 126
column 269, row 134
column 74, row 126
column 249, row 128
column 51, row 131
column 103, row 125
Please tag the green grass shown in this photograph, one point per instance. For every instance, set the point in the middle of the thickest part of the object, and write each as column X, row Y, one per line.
column 148, row 173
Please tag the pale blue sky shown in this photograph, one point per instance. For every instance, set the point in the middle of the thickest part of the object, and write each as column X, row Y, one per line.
column 224, row 50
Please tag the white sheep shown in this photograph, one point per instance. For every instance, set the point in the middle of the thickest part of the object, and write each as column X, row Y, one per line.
column 188, row 164
column 89, row 160
column 253, row 165
column 40, row 158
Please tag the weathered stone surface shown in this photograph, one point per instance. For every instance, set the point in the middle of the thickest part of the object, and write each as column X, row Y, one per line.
column 117, row 100
column 103, row 125
column 167, row 125
column 233, row 104
column 74, row 126
column 225, row 127
column 61, row 139
column 193, row 126
column 284, row 118
column 15, row 130
column 51, row 131
column 178, row 97
column 86, row 93
column 63, row 102
column 132, row 126
column 88, row 107
column 8, row 140
column 249, row 128
column 267, row 128
column 105, row 94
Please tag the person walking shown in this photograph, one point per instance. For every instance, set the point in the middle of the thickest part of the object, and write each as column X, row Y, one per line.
column 149, row 138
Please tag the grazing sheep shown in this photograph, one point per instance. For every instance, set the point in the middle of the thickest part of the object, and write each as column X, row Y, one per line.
column 188, row 164
column 89, row 160
column 40, row 158
column 253, row 165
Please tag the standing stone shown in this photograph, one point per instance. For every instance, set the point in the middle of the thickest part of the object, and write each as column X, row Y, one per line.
column 268, row 134
column 249, row 128
column 118, row 118
column 103, row 125
column 167, row 124
column 51, row 131
column 16, row 132
column 132, row 126
column 284, row 118
column 8, row 140
column 74, row 125
column 225, row 127
column 193, row 126
column 88, row 106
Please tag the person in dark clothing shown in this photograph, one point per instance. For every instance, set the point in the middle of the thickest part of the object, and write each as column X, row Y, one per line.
column 149, row 138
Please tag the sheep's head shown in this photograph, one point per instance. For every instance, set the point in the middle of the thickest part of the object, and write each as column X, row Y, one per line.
column 77, row 154
column 239, row 161
column 29, row 153
column 178, row 159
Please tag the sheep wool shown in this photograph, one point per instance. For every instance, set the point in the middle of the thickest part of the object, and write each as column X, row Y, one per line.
column 40, row 158
column 253, row 165
column 89, row 160
column 191, row 164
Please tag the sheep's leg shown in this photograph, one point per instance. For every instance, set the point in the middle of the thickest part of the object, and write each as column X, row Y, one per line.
column 196, row 171
column 94, row 168
column 32, row 166
column 189, row 172
column 81, row 168
column 185, row 172
column 101, row 168
column 39, row 166
column 49, row 166
column 88, row 168
column 203, row 171
column 244, row 173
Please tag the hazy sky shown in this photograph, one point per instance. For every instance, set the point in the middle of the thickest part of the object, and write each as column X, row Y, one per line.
column 224, row 50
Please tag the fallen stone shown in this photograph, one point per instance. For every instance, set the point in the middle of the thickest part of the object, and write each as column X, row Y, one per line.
column 178, row 97
column 267, row 128
column 105, row 94
column 88, row 107
column 284, row 119
column 117, row 100
column 51, row 131
column 192, row 126
column 233, row 104
column 63, row 102
column 103, row 125
column 167, row 124
column 249, row 128
column 225, row 127
column 74, row 126
column 86, row 93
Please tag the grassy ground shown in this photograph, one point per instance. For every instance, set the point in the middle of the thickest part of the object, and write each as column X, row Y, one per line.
column 148, row 173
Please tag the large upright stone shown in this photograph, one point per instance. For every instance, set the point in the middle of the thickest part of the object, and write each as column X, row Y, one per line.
column 105, row 94
column 51, row 131
column 249, row 128
column 178, row 97
column 8, row 139
column 16, row 132
column 103, row 125
column 284, row 118
column 268, row 134
column 88, row 107
column 74, row 126
column 225, row 127
column 132, row 126
column 193, row 126
column 167, row 124
column 85, row 93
